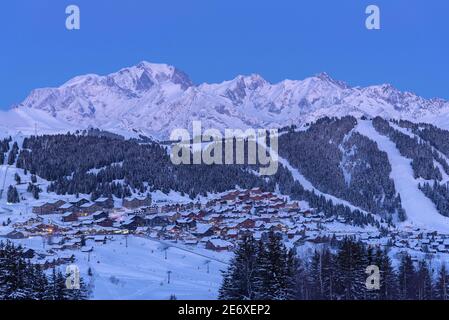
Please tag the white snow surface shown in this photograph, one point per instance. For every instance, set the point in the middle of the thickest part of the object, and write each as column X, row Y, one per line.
column 139, row 271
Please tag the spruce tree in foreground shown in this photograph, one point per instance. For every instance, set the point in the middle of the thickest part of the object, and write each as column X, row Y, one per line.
column 442, row 285
column 407, row 279
column 21, row 280
column 238, row 282
column 388, row 276
column 350, row 268
column 260, row 270
column 425, row 290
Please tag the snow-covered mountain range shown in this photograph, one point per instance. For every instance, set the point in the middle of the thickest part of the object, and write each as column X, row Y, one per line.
column 153, row 99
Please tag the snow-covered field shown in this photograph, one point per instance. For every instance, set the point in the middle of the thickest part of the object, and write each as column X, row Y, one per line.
column 139, row 270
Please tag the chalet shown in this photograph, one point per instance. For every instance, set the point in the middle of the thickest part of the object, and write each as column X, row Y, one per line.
column 48, row 208
column 87, row 222
column 88, row 209
column 107, row 203
column 246, row 223
column 203, row 230
column 232, row 234
column 69, row 217
column 134, row 222
column 219, row 245
column 105, row 222
column 136, row 202
column 66, row 207
column 79, row 202
column 100, row 215
column 186, row 224
column 173, row 229
column 157, row 221
column 152, row 210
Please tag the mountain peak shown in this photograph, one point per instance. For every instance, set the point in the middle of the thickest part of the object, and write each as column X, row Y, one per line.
column 324, row 76
column 160, row 72
column 155, row 67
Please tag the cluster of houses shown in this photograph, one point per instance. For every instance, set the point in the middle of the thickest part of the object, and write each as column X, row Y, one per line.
column 215, row 225
column 419, row 240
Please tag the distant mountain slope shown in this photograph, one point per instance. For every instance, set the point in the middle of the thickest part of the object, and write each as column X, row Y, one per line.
column 155, row 98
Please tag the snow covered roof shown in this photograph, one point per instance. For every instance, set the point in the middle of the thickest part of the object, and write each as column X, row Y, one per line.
column 202, row 227
column 220, row 243
column 87, row 205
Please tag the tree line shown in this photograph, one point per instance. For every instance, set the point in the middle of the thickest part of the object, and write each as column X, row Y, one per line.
column 265, row 270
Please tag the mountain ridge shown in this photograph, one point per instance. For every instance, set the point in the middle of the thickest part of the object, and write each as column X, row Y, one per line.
column 153, row 99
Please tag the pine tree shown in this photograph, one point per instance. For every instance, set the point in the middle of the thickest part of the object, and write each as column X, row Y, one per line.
column 35, row 192
column 17, row 178
column 291, row 272
column 261, row 270
column 39, row 283
column 407, row 279
column 424, row 282
column 13, row 195
column 272, row 280
column 321, row 274
column 56, row 289
column 351, row 271
column 13, row 154
column 442, row 285
column 388, row 276
column 238, row 283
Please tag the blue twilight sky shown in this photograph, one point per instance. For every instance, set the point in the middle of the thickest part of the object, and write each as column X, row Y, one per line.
column 215, row 40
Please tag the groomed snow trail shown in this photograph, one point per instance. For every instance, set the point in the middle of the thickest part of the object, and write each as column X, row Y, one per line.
column 421, row 212
column 306, row 184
